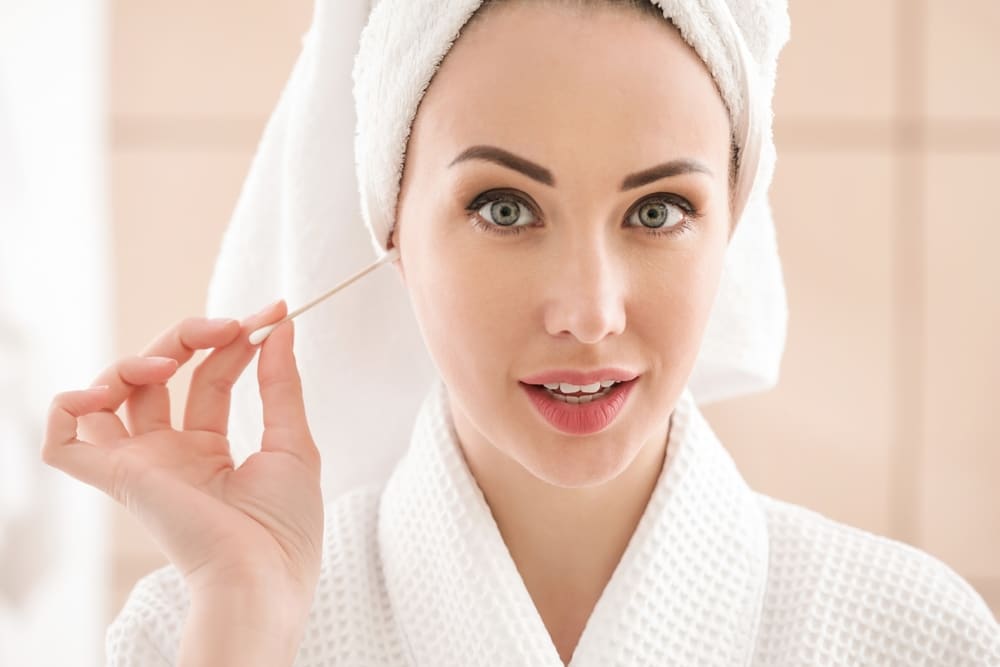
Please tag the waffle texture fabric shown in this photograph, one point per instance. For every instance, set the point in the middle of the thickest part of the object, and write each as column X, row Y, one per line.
column 415, row 572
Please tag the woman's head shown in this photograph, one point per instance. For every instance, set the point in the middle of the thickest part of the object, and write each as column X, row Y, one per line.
column 561, row 250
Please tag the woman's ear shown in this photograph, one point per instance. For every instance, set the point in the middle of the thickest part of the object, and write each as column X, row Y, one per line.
column 398, row 263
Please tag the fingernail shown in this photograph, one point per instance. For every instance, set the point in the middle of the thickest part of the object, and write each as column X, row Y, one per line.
column 219, row 322
column 268, row 307
column 163, row 361
column 98, row 388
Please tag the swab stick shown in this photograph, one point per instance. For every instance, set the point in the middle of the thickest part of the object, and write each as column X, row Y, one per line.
column 259, row 335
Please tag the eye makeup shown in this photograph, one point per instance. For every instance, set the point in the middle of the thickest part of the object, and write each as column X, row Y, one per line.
column 691, row 214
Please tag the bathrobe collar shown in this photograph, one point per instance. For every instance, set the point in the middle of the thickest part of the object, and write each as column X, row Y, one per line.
column 688, row 589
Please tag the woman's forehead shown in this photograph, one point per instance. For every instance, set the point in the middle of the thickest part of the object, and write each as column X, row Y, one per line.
column 547, row 76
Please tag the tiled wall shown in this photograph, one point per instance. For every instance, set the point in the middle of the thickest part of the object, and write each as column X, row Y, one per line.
column 888, row 133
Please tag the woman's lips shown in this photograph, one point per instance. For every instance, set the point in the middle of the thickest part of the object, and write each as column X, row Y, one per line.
column 580, row 418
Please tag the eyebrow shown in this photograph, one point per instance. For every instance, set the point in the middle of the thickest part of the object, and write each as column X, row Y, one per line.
column 539, row 173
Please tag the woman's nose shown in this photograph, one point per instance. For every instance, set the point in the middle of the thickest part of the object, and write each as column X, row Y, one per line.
column 585, row 293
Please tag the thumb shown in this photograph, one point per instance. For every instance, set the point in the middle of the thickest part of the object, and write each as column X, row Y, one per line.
column 285, row 425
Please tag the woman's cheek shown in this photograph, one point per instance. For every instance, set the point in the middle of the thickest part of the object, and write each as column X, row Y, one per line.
column 454, row 291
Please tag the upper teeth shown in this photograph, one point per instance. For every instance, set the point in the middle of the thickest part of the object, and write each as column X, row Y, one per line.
column 567, row 388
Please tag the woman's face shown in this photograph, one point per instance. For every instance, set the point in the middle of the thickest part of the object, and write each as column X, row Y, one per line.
column 571, row 255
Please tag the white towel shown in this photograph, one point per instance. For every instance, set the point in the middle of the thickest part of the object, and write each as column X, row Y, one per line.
column 325, row 166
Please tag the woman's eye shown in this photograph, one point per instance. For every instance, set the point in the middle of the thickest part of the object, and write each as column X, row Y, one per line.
column 658, row 214
column 506, row 211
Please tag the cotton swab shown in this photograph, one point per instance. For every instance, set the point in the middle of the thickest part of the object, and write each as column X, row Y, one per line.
column 261, row 334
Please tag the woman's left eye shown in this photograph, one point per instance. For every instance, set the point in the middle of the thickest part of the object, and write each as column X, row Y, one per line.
column 658, row 214
column 505, row 213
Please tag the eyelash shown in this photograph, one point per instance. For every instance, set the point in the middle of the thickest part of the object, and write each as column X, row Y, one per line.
column 678, row 229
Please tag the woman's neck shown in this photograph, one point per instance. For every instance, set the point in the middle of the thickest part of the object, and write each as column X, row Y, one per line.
column 565, row 542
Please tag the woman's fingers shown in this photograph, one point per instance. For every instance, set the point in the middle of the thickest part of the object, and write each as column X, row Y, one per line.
column 210, row 394
column 285, row 425
column 63, row 450
column 140, row 382
column 104, row 427
column 142, row 379
column 149, row 408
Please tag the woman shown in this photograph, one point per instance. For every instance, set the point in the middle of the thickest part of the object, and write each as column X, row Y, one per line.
column 563, row 219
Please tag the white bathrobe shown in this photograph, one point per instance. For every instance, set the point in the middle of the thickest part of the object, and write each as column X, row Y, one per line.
column 415, row 572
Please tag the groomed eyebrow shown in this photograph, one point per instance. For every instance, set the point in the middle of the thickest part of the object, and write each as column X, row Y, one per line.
column 542, row 175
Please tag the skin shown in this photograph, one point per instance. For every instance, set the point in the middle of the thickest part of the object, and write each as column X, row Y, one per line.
column 583, row 285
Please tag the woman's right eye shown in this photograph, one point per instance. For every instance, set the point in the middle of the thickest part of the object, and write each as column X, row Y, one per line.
column 502, row 212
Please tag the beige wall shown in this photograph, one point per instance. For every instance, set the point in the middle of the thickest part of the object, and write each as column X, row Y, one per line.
column 889, row 144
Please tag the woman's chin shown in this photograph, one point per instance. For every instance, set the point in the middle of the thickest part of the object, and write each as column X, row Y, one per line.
column 582, row 463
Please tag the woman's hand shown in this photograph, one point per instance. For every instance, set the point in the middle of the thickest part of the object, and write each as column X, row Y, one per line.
column 257, row 527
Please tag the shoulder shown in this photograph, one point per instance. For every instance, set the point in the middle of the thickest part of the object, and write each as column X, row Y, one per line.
column 351, row 616
column 834, row 588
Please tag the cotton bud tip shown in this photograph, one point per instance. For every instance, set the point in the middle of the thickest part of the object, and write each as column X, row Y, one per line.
column 258, row 336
